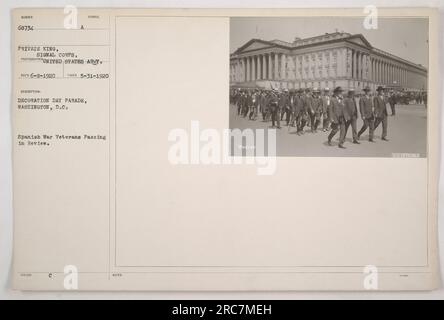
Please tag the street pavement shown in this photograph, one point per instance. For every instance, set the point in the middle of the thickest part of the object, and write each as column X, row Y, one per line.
column 407, row 134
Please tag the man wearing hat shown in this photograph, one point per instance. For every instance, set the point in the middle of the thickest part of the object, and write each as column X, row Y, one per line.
column 325, row 109
column 317, row 107
column 240, row 102
column 297, row 111
column 273, row 105
column 380, row 105
column 284, row 105
column 309, row 108
column 248, row 102
column 254, row 107
column 292, row 112
column 339, row 117
column 367, row 114
column 392, row 101
column 264, row 105
column 352, row 111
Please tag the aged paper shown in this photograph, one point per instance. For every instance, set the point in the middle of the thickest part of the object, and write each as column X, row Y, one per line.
column 124, row 178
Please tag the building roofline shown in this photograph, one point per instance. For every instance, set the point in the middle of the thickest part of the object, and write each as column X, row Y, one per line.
column 272, row 44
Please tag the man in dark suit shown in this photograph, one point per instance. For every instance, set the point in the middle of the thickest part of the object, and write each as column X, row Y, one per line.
column 248, row 102
column 325, row 109
column 298, row 112
column 255, row 105
column 294, row 105
column 367, row 114
column 352, row 111
column 317, row 107
column 273, row 104
column 264, row 105
column 380, row 105
column 392, row 101
column 338, row 118
column 240, row 102
column 284, row 105
column 309, row 108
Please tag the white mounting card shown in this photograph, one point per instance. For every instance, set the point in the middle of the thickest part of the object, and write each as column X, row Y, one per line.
column 201, row 149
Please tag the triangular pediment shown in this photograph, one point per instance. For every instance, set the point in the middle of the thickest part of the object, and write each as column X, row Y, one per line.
column 254, row 44
column 360, row 40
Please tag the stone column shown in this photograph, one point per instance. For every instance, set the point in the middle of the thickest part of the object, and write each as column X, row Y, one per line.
column 248, row 78
column 270, row 67
column 276, row 66
column 400, row 75
column 296, row 68
column 370, row 70
column 384, row 73
column 381, row 76
column 283, row 66
column 375, row 70
column 264, row 66
column 244, row 68
column 233, row 71
column 364, row 66
column 236, row 71
column 389, row 69
column 407, row 84
column 379, row 72
column 253, row 68
column 354, row 64
column 349, row 63
column 340, row 63
column 258, row 68
column 391, row 74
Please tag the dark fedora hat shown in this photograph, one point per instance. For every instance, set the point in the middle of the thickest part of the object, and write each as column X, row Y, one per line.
column 367, row 88
column 338, row 89
column 380, row 88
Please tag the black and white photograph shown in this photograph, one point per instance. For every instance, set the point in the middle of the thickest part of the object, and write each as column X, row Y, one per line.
column 332, row 86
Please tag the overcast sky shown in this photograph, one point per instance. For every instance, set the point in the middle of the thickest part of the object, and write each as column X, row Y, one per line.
column 404, row 37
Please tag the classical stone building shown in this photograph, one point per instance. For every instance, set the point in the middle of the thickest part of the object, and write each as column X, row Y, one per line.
column 329, row 60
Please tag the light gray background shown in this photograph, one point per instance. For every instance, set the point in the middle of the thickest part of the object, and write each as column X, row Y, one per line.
column 6, row 215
